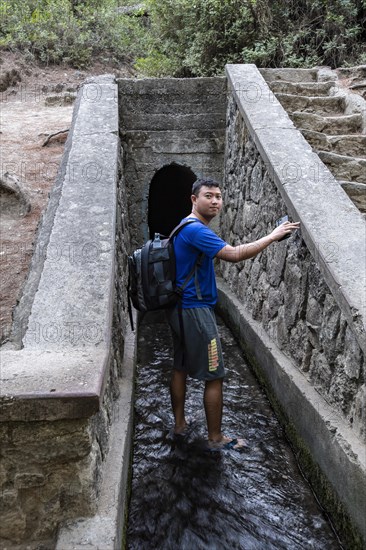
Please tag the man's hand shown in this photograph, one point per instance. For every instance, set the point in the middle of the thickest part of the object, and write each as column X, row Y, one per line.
column 250, row 250
column 284, row 229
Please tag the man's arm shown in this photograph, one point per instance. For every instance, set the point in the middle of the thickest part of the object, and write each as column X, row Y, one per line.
column 246, row 251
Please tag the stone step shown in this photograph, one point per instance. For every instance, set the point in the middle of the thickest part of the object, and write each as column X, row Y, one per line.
column 290, row 75
column 352, row 72
column 356, row 192
column 348, row 145
column 344, row 168
column 316, row 105
column 313, row 89
column 338, row 125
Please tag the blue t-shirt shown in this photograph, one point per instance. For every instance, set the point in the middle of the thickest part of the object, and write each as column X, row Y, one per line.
column 194, row 238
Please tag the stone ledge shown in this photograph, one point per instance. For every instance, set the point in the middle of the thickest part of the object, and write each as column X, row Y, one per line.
column 104, row 531
column 333, row 445
column 305, row 185
column 66, row 376
column 61, row 371
column 43, row 385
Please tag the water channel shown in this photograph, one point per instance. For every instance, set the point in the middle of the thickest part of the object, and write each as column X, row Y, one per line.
column 185, row 498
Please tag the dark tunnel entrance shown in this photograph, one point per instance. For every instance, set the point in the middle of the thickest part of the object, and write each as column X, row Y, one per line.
column 169, row 198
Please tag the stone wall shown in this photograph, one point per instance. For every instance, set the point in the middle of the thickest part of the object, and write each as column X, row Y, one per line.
column 299, row 307
column 164, row 122
column 61, row 392
column 283, row 287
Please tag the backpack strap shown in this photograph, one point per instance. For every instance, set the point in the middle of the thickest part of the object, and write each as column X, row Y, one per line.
column 129, row 306
column 182, row 224
column 197, row 263
column 193, row 271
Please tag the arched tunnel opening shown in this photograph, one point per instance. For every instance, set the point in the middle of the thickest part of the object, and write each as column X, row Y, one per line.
column 169, row 198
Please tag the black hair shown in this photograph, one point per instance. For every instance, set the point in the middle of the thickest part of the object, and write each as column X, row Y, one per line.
column 196, row 187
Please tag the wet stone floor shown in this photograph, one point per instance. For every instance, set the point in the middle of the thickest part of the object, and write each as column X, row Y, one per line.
column 185, row 498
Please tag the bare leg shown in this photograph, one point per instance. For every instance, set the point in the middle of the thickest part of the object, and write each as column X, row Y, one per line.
column 178, row 396
column 213, row 408
column 213, row 401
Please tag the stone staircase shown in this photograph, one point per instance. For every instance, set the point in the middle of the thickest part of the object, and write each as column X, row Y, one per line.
column 331, row 118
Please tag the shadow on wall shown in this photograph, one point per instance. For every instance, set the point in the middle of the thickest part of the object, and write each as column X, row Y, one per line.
column 169, row 198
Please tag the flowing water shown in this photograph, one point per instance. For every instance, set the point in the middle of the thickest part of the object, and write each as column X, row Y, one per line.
column 185, row 498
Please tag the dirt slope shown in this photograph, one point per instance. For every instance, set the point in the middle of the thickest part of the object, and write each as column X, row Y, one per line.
column 35, row 101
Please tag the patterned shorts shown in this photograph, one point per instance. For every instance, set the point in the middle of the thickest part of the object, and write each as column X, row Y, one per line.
column 200, row 353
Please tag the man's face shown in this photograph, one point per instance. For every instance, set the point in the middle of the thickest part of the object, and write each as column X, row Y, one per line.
column 208, row 203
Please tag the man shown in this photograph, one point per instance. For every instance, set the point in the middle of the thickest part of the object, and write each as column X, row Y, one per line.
column 197, row 349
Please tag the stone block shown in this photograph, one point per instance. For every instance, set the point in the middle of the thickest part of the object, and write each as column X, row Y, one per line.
column 298, row 343
column 294, row 294
column 347, row 124
column 319, row 105
column 256, row 183
column 13, row 526
column 357, row 414
column 255, row 272
column 27, row 480
column 313, row 314
column 320, row 371
column 356, row 192
column 313, row 337
column 275, row 300
column 352, row 355
column 278, row 254
column 345, row 167
column 306, row 360
column 330, row 328
column 317, row 287
column 282, row 332
column 3, row 474
column 8, row 500
column 13, row 520
column 304, row 88
column 342, row 390
column 47, row 442
column 295, row 76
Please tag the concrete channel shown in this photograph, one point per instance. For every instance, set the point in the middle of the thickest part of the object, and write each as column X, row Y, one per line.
column 298, row 310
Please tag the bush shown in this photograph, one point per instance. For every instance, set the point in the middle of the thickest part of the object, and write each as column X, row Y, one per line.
column 198, row 37
column 189, row 37
column 70, row 31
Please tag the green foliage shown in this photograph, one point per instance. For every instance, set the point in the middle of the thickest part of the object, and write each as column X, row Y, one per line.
column 198, row 37
column 72, row 31
column 156, row 64
column 188, row 37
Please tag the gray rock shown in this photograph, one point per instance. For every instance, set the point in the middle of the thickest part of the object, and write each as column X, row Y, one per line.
column 323, row 106
column 330, row 328
column 320, row 371
column 345, row 168
column 14, row 199
column 352, row 355
column 347, row 124
column 356, row 192
column 301, row 88
column 289, row 75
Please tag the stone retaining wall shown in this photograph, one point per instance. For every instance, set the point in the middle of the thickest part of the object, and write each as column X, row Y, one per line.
column 306, row 294
column 168, row 121
column 283, row 287
column 60, row 393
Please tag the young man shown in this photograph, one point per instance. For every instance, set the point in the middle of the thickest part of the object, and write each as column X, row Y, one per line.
column 197, row 352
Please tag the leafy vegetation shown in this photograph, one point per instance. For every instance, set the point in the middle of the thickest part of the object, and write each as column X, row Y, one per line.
column 70, row 31
column 197, row 37
column 188, row 37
